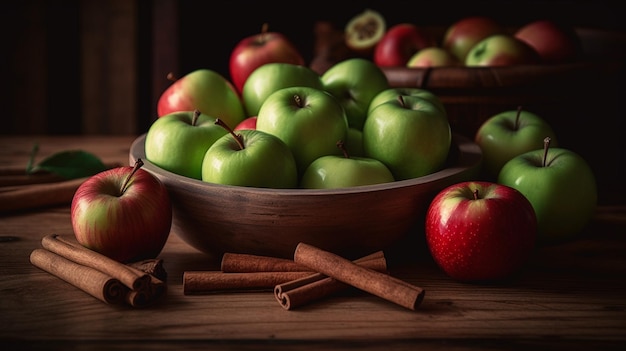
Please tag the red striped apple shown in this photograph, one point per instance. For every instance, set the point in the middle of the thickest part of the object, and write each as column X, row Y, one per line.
column 124, row 213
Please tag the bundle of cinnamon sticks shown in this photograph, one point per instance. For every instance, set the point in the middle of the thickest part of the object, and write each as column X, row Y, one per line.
column 138, row 284
column 312, row 275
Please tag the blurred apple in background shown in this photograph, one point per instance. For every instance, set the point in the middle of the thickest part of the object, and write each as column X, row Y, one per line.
column 400, row 43
column 258, row 49
column 463, row 34
column 354, row 82
column 308, row 120
column 508, row 134
column 335, row 171
column 433, row 56
column 480, row 231
column 270, row 77
column 554, row 42
column 364, row 31
column 501, row 50
column 560, row 185
column 204, row 90
column 124, row 213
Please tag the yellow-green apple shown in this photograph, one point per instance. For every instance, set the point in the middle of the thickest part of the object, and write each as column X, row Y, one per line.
column 480, row 231
column 364, row 31
column 124, row 213
column 258, row 49
column 393, row 93
column 205, row 90
column 501, row 50
column 250, row 158
column 334, row 171
column 354, row 82
column 400, row 42
column 508, row 134
column 410, row 135
column 308, row 120
column 555, row 42
column 274, row 76
column 560, row 185
column 433, row 56
column 466, row 32
column 248, row 123
column 177, row 142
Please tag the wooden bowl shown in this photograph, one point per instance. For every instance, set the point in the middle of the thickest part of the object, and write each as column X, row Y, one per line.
column 352, row 221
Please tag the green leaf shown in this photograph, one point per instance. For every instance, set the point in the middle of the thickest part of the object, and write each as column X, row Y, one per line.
column 71, row 164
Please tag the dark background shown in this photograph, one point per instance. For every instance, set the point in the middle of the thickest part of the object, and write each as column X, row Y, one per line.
column 50, row 49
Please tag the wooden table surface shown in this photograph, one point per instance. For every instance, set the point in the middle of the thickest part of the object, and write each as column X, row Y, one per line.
column 569, row 296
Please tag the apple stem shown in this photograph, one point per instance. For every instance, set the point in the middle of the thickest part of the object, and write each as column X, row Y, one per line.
column 171, row 76
column 401, row 100
column 138, row 164
column 194, row 120
column 342, row 146
column 298, row 100
column 238, row 137
column 546, row 146
column 519, row 112
column 475, row 193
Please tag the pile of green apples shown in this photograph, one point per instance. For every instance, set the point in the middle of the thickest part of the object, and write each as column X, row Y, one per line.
column 290, row 127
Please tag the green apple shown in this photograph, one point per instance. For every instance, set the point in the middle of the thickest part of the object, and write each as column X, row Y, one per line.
column 250, row 158
column 560, row 185
column 205, row 90
column 308, row 120
column 410, row 135
column 393, row 93
column 334, row 171
column 354, row 142
column 274, row 76
column 355, row 82
column 508, row 134
column 501, row 50
column 177, row 142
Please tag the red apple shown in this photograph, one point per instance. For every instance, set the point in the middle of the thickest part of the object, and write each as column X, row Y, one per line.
column 258, row 49
column 480, row 231
column 463, row 34
column 124, row 213
column 554, row 42
column 400, row 43
column 248, row 123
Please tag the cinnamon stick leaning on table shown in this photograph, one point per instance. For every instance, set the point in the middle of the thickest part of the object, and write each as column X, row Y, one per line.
column 317, row 285
column 376, row 283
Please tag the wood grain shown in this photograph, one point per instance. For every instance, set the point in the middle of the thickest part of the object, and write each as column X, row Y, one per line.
column 568, row 297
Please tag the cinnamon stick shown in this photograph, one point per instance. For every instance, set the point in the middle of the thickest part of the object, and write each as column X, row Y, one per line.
column 91, row 281
column 242, row 263
column 203, row 282
column 376, row 283
column 317, row 285
column 133, row 278
column 39, row 195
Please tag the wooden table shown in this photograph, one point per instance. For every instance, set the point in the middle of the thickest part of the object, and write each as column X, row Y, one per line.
column 570, row 296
